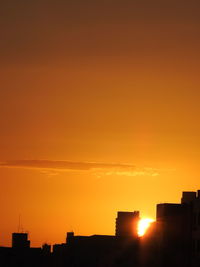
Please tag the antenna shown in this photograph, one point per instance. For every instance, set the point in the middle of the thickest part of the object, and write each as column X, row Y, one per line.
column 19, row 223
column 20, row 226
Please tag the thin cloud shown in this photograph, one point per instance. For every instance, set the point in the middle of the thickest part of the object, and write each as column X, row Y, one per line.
column 130, row 173
column 63, row 165
column 99, row 169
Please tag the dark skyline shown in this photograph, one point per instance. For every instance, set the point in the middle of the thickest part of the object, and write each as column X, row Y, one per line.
column 172, row 240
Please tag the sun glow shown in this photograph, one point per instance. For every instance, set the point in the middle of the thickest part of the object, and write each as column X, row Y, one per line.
column 143, row 225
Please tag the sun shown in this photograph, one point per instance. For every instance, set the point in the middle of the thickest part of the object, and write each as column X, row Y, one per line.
column 143, row 225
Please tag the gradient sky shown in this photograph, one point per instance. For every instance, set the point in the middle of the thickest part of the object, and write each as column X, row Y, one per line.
column 99, row 112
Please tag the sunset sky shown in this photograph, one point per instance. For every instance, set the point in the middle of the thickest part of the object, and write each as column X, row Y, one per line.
column 99, row 112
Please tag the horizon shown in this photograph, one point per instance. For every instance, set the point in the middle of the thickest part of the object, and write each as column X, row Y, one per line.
column 142, row 226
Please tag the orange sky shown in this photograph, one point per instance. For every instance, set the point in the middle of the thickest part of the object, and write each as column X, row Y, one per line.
column 99, row 112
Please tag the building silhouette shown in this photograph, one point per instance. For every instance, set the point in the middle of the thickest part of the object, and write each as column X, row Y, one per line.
column 175, row 238
column 20, row 240
column 127, row 223
column 172, row 240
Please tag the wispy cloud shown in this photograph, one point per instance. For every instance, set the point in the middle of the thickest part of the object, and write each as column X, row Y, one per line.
column 63, row 165
column 97, row 168
column 131, row 172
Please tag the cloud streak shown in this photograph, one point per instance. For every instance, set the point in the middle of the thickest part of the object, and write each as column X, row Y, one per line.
column 63, row 165
column 98, row 168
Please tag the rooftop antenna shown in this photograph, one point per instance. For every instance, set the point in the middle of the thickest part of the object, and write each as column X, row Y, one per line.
column 19, row 223
column 71, row 229
column 20, row 226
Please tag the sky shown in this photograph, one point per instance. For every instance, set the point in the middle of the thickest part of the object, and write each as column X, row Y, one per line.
column 99, row 112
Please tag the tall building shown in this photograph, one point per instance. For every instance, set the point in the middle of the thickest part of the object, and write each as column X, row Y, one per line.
column 20, row 240
column 127, row 224
column 178, row 229
column 192, row 200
